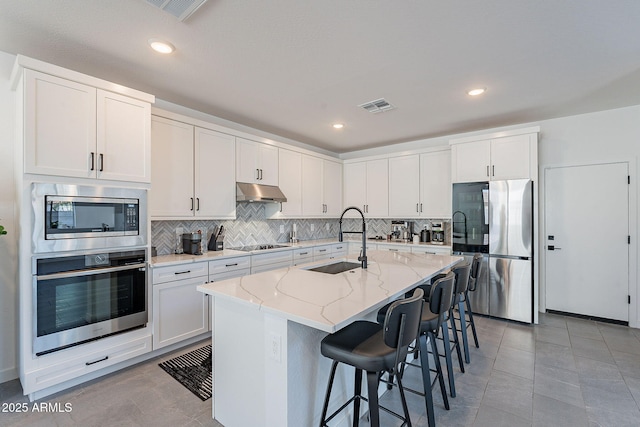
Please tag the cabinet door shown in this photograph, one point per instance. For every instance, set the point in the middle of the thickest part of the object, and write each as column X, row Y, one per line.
column 377, row 188
column 355, row 186
column 268, row 164
column 214, row 182
column 312, row 177
column 404, row 186
column 290, row 178
column 60, row 126
column 332, row 188
column 435, row 184
column 179, row 311
column 247, row 169
column 510, row 157
column 123, row 138
column 171, row 193
column 471, row 161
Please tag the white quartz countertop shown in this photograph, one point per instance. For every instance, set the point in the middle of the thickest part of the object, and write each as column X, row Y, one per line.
column 329, row 302
column 166, row 260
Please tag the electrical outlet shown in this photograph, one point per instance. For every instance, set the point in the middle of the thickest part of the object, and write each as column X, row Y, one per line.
column 282, row 229
column 275, row 346
column 313, row 227
column 179, row 230
column 328, row 227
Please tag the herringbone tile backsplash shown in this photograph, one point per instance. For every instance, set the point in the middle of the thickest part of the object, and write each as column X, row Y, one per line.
column 252, row 227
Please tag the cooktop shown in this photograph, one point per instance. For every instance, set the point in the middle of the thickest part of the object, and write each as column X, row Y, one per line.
column 262, row 247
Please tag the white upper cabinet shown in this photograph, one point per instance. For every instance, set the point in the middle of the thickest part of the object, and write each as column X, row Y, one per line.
column 186, row 181
column 404, row 186
column 366, row 186
column 435, row 184
column 256, row 162
column 214, row 180
column 172, row 150
column 420, row 185
column 290, row 178
column 321, row 187
column 76, row 130
column 332, row 188
column 495, row 158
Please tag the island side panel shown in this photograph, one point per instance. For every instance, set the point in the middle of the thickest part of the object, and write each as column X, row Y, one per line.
column 239, row 364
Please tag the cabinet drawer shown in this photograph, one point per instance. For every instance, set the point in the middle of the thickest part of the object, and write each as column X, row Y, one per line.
column 431, row 250
column 302, row 255
column 180, row 272
column 229, row 264
column 276, row 257
column 229, row 274
column 394, row 248
column 339, row 249
column 321, row 251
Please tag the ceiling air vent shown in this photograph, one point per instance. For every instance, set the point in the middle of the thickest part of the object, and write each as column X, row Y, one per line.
column 378, row 106
column 181, row 9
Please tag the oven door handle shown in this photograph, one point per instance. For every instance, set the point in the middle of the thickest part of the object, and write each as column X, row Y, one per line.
column 92, row 272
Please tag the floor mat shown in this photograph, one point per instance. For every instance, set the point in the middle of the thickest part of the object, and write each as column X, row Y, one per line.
column 192, row 370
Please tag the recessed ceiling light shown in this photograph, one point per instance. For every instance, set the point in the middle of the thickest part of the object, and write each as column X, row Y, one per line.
column 476, row 92
column 338, row 125
column 161, row 46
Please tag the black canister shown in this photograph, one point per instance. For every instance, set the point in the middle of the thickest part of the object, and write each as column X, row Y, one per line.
column 425, row 236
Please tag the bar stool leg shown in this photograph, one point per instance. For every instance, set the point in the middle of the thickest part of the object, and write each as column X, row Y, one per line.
column 447, row 357
column 473, row 324
column 456, row 341
column 426, row 379
column 436, row 361
column 332, row 375
column 374, row 409
column 357, row 388
column 403, row 399
column 463, row 329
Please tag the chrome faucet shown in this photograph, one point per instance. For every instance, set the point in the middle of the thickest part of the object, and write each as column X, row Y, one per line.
column 363, row 254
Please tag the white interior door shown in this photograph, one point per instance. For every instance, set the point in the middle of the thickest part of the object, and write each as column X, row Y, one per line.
column 586, row 242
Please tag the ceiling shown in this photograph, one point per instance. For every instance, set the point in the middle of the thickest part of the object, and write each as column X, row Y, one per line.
column 295, row 67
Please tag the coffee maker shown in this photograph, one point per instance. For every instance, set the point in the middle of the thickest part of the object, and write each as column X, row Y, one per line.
column 191, row 243
column 437, row 233
column 402, row 230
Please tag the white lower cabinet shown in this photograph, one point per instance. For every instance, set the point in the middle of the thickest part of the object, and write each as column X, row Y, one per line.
column 179, row 310
column 302, row 255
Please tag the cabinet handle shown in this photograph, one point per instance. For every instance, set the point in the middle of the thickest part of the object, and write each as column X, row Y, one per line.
column 260, row 174
column 303, row 253
column 198, row 203
column 420, row 207
column 182, row 272
column 487, row 170
column 322, row 250
column 493, row 170
column 417, row 209
column 97, row 361
column 93, row 161
column 192, row 203
column 393, row 250
column 257, row 174
column 101, row 162
column 231, row 265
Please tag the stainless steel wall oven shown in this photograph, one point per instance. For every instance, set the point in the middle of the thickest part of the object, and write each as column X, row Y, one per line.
column 79, row 298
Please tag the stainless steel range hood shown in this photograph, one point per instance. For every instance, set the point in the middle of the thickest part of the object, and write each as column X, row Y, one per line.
column 246, row 192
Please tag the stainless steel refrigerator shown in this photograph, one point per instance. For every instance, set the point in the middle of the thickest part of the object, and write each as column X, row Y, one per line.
column 496, row 219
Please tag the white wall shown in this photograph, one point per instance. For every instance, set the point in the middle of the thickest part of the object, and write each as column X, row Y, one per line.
column 601, row 137
column 8, row 243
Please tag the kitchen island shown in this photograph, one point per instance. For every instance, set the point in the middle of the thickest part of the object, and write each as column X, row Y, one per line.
column 267, row 328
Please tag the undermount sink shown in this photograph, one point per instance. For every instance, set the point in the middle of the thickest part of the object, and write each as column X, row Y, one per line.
column 336, row 267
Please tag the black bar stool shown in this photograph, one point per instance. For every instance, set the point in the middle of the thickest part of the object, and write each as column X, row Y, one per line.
column 375, row 348
column 476, row 268
column 431, row 322
column 462, row 272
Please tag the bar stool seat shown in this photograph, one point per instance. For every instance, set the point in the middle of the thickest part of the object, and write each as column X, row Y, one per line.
column 374, row 348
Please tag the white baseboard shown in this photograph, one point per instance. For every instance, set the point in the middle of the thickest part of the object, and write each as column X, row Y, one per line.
column 8, row 374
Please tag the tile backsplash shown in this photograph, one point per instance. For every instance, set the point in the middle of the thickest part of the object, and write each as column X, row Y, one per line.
column 252, row 227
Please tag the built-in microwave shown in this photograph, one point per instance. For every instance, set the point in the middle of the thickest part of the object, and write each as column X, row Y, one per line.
column 75, row 217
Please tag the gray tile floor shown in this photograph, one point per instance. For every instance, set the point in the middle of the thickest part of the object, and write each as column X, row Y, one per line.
column 562, row 372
